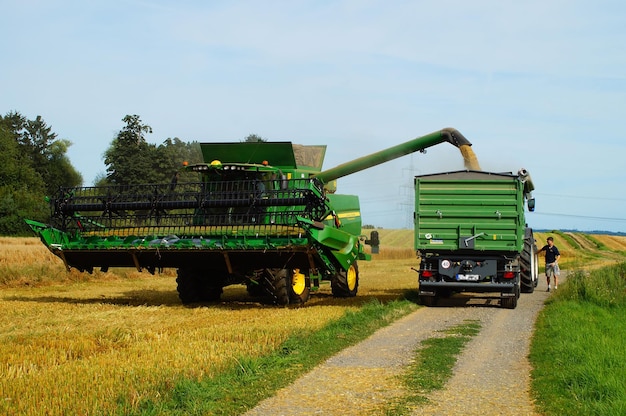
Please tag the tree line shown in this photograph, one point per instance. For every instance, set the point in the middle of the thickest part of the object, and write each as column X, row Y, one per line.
column 34, row 164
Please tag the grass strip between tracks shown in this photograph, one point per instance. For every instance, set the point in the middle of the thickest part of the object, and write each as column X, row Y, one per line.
column 250, row 380
column 432, row 367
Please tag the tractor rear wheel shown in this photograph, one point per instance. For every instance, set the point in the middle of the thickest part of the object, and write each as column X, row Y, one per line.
column 529, row 263
column 345, row 283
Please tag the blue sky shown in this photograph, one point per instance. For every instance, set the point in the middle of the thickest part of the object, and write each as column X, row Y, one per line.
column 535, row 84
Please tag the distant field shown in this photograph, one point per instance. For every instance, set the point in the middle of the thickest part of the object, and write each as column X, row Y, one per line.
column 581, row 250
column 402, row 238
column 578, row 249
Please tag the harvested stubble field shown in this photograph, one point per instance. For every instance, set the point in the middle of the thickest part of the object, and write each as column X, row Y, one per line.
column 73, row 343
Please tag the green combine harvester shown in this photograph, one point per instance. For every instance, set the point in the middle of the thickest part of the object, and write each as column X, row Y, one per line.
column 264, row 214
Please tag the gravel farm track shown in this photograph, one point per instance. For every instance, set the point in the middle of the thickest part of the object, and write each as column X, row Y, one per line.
column 492, row 375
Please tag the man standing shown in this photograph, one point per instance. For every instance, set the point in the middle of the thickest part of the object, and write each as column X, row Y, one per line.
column 552, row 258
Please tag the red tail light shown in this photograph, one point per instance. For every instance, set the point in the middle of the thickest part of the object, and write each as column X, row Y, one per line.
column 427, row 273
column 508, row 275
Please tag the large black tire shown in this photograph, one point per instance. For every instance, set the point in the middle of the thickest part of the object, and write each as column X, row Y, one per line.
column 428, row 300
column 278, row 282
column 510, row 302
column 187, row 286
column 256, row 289
column 528, row 263
column 345, row 283
column 196, row 286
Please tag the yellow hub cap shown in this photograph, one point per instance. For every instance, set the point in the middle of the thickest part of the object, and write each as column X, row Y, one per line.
column 351, row 278
column 298, row 282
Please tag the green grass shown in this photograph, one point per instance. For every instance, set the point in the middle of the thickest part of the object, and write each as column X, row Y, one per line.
column 250, row 380
column 599, row 245
column 432, row 367
column 579, row 348
column 573, row 243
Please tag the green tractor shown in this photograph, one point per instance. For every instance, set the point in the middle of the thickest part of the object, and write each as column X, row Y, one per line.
column 263, row 214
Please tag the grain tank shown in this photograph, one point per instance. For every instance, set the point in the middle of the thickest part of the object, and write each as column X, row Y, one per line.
column 471, row 235
column 263, row 214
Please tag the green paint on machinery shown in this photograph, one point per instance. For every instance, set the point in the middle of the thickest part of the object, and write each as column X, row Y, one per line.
column 262, row 214
column 471, row 235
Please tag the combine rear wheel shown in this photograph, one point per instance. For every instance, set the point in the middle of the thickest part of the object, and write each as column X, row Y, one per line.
column 286, row 286
column 278, row 282
column 300, row 287
column 345, row 284
column 255, row 289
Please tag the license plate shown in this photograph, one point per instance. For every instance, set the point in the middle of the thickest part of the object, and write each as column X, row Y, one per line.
column 468, row 277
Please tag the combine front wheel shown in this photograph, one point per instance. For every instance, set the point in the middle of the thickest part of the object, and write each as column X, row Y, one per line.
column 345, row 283
column 195, row 286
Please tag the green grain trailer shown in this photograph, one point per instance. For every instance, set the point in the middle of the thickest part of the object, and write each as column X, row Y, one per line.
column 263, row 214
column 471, row 235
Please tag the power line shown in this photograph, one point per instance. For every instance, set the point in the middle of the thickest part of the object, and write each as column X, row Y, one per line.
column 552, row 214
column 579, row 197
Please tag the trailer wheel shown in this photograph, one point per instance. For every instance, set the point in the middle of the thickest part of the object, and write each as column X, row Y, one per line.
column 428, row 300
column 510, row 302
column 528, row 263
column 345, row 283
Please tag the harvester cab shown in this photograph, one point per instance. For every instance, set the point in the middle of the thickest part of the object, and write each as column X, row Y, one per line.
column 264, row 214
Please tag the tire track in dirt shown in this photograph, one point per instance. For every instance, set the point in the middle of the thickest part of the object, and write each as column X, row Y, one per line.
column 492, row 375
column 361, row 378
